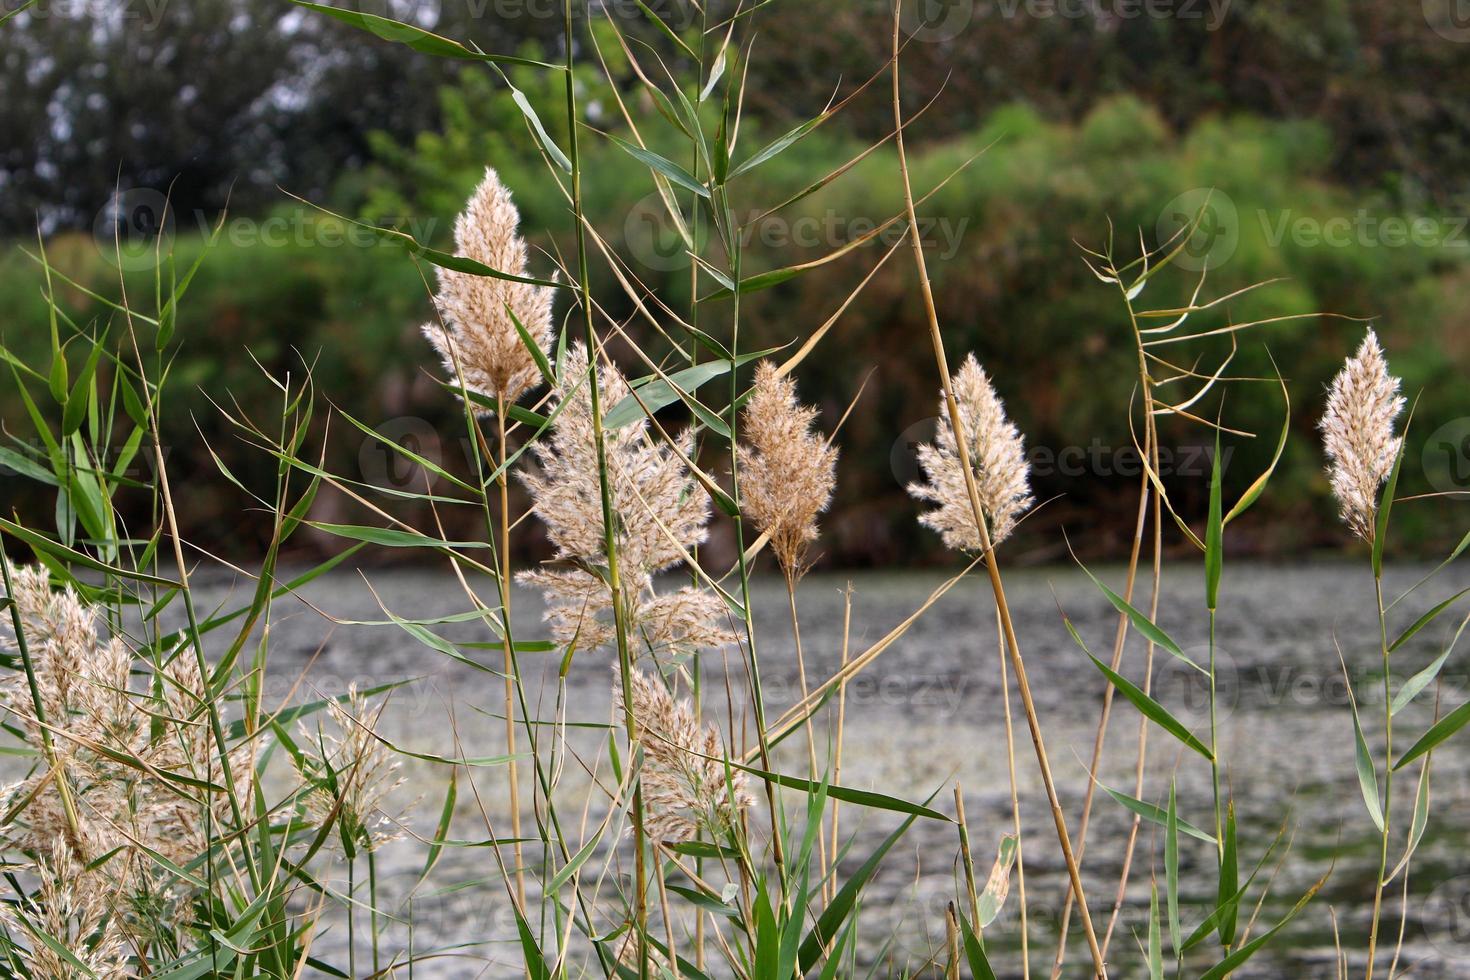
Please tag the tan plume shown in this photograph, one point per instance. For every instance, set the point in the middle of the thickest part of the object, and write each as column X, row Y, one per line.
column 997, row 458
column 478, row 338
column 1357, row 433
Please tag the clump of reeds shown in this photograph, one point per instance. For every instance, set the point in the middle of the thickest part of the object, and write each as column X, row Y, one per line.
column 477, row 335
column 126, row 789
column 1358, row 434
column 688, row 785
column 660, row 511
column 997, row 459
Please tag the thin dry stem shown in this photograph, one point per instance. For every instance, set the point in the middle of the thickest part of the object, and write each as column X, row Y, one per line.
column 978, row 512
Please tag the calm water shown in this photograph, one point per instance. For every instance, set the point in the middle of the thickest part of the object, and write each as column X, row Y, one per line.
column 929, row 712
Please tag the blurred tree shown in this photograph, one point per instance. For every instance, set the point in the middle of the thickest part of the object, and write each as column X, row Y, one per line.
column 246, row 94
column 1382, row 78
column 222, row 99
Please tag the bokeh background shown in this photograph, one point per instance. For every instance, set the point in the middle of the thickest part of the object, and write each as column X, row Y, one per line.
column 1330, row 138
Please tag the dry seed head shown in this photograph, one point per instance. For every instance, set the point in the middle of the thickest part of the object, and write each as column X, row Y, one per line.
column 661, row 513
column 997, row 459
column 364, row 773
column 125, row 811
column 478, row 338
column 787, row 471
column 687, row 787
column 1357, row 433
column 75, row 906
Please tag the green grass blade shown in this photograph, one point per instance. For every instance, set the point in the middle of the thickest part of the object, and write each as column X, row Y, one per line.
column 1152, row 710
column 1171, row 868
column 1157, row 815
column 1425, row 620
column 1229, row 884
column 1142, row 623
column 1214, row 536
column 1443, row 729
column 842, row 905
column 417, row 38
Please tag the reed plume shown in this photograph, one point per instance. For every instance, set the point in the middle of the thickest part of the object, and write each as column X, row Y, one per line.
column 661, row 514
column 353, row 776
column 74, row 906
column 477, row 337
column 136, row 769
column 1357, row 433
column 997, row 457
column 687, row 785
column 787, row 471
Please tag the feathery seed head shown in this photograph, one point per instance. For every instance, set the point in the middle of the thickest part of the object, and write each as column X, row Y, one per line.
column 353, row 776
column 660, row 514
column 687, row 787
column 119, row 752
column 1358, row 436
column 997, row 460
column 787, row 472
column 478, row 338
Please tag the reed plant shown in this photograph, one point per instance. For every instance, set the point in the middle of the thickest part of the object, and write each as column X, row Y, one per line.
column 174, row 823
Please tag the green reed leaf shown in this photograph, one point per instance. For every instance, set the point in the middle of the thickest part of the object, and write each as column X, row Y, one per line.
column 1214, row 535
column 1443, row 729
column 1417, row 824
column 1140, row 622
column 1171, row 867
column 1367, row 771
column 1258, row 487
column 997, row 886
column 1425, row 620
column 1229, row 884
column 1155, row 935
column 1232, row 962
column 668, row 168
column 1150, row 708
column 1157, row 815
column 980, row 968
column 842, row 905
column 1420, row 681
column 389, row 537
column 417, row 38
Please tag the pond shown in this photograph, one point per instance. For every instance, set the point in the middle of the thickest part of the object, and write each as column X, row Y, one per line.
column 928, row 712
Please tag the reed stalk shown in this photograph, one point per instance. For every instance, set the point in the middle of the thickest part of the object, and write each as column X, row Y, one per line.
column 992, row 567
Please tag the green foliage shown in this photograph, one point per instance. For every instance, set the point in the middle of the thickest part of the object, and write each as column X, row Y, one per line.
column 1007, row 277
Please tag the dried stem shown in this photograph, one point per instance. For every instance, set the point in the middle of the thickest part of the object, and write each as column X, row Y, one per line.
column 991, row 566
